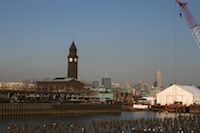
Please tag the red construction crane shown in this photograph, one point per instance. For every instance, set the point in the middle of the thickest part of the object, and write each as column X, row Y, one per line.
column 193, row 25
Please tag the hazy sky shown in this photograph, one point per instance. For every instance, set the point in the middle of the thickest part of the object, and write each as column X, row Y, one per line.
column 129, row 39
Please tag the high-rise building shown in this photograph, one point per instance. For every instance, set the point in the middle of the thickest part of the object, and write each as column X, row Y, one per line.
column 116, row 85
column 158, row 82
column 128, row 85
column 106, row 82
column 95, row 84
column 142, row 85
column 72, row 62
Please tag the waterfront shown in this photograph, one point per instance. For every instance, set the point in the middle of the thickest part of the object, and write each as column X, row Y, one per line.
column 88, row 122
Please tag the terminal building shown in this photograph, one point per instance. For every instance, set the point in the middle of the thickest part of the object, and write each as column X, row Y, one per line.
column 64, row 83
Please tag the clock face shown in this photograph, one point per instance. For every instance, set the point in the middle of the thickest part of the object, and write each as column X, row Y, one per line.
column 70, row 59
column 75, row 59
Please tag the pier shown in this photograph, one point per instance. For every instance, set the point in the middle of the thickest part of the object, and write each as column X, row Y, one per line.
column 8, row 109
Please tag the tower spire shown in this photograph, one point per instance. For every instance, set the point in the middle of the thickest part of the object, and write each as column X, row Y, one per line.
column 106, row 74
column 72, row 62
column 96, row 76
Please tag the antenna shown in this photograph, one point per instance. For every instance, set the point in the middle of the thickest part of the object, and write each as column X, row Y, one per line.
column 96, row 77
column 106, row 74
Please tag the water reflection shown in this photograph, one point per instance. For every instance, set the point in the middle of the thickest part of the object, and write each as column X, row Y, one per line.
column 151, row 114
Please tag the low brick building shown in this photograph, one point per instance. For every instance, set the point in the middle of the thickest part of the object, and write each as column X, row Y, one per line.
column 59, row 84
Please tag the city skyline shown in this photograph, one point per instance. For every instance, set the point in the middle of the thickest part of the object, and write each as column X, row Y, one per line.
column 128, row 39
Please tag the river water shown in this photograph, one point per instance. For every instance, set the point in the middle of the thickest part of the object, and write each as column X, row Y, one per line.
column 84, row 121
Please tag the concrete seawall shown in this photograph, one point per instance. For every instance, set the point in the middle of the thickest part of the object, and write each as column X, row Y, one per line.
column 8, row 109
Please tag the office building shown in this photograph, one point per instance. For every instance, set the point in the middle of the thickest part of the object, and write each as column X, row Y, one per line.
column 106, row 82
column 158, row 82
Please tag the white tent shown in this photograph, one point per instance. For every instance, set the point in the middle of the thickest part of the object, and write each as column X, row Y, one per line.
column 185, row 94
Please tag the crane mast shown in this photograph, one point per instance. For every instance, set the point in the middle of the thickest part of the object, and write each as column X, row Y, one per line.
column 194, row 27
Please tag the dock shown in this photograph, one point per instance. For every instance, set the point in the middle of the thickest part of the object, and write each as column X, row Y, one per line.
column 8, row 109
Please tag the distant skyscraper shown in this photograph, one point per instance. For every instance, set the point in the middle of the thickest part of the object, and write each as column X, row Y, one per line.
column 106, row 82
column 95, row 84
column 128, row 86
column 116, row 85
column 158, row 82
column 142, row 85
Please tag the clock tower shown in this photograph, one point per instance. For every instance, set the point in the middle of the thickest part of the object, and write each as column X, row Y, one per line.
column 72, row 62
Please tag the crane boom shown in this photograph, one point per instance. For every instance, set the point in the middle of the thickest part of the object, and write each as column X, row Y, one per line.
column 194, row 27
